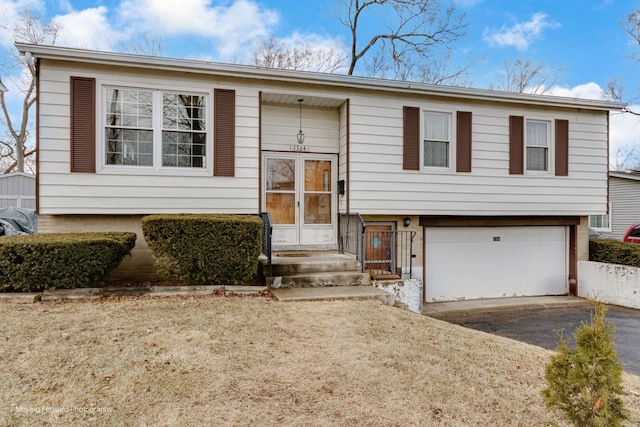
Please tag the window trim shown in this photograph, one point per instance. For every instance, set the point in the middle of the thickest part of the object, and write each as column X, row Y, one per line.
column 451, row 168
column 608, row 229
column 550, row 146
column 157, row 168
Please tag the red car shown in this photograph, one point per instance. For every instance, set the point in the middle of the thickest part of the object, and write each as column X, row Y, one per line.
column 633, row 234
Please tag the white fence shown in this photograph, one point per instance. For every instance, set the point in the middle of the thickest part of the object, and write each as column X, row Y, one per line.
column 28, row 202
column 609, row 283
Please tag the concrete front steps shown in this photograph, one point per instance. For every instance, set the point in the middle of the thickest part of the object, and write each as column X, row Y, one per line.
column 312, row 269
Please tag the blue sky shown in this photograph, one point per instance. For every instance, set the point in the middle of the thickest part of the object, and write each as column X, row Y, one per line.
column 581, row 38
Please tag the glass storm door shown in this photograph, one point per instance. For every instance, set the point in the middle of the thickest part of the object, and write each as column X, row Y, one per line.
column 300, row 196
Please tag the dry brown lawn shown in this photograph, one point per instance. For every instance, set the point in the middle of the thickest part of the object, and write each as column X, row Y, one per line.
column 222, row 361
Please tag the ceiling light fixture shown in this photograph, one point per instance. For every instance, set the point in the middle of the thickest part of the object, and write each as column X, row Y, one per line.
column 300, row 135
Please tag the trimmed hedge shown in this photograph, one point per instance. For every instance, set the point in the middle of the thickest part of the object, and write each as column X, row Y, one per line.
column 60, row 261
column 205, row 249
column 614, row 252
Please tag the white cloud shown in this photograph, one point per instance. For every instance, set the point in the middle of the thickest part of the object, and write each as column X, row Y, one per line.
column 624, row 133
column 10, row 11
column 88, row 29
column 230, row 27
column 521, row 34
column 589, row 90
column 624, row 128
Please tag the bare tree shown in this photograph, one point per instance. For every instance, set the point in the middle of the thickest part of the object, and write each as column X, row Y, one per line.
column 626, row 159
column 416, row 45
column 15, row 146
column 526, row 77
column 150, row 45
column 632, row 27
column 416, row 30
column 275, row 53
column 615, row 87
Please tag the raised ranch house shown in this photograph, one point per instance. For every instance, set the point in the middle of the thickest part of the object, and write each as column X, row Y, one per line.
column 497, row 187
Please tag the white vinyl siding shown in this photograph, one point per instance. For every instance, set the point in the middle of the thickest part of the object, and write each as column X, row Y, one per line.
column 281, row 123
column 625, row 204
column 342, row 158
column 376, row 164
column 130, row 190
column 378, row 184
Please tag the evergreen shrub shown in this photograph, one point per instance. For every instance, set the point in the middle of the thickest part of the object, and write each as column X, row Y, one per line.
column 203, row 249
column 585, row 382
column 37, row 262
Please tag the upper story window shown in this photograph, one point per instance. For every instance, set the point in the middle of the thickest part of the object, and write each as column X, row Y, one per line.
column 155, row 128
column 538, row 138
column 437, row 142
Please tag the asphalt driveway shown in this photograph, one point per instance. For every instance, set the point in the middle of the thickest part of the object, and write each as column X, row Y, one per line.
column 538, row 326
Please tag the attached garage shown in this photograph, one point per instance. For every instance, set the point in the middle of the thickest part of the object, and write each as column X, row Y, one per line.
column 475, row 262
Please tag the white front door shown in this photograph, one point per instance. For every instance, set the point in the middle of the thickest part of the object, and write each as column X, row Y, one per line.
column 300, row 195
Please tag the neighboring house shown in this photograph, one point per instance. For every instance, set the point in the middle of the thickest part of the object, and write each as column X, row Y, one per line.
column 18, row 190
column 498, row 186
column 624, row 206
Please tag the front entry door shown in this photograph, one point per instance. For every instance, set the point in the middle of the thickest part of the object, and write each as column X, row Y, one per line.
column 300, row 195
column 379, row 249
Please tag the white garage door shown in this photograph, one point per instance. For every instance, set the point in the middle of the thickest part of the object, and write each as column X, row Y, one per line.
column 495, row 262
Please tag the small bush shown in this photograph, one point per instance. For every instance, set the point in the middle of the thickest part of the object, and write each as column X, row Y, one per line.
column 586, row 382
column 614, row 252
column 49, row 261
column 205, row 249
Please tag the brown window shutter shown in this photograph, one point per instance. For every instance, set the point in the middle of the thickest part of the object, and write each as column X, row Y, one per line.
column 411, row 138
column 224, row 135
column 83, row 124
column 516, row 145
column 463, row 141
column 562, row 147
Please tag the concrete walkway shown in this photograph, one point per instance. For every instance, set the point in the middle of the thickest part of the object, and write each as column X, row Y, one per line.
column 331, row 293
column 437, row 309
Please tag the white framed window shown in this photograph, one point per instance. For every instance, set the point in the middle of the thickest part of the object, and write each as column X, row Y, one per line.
column 129, row 127
column 155, row 128
column 436, row 145
column 537, row 146
column 601, row 222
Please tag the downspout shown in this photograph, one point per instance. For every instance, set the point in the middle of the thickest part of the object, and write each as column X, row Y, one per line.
column 424, row 265
column 36, row 65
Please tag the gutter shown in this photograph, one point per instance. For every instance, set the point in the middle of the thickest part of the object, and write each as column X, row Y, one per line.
column 305, row 77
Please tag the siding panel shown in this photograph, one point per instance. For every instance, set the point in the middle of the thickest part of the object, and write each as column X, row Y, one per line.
column 376, row 155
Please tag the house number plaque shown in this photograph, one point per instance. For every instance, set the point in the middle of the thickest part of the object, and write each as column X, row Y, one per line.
column 298, row 148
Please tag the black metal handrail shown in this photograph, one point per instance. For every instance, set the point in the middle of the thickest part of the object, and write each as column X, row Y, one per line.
column 267, row 231
column 351, row 229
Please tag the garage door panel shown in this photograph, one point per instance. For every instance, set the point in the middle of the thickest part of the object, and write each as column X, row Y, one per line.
column 494, row 262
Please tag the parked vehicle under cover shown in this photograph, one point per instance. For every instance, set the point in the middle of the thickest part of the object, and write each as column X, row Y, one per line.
column 18, row 221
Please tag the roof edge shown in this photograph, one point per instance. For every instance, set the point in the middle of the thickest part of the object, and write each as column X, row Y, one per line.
column 306, row 77
column 625, row 175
